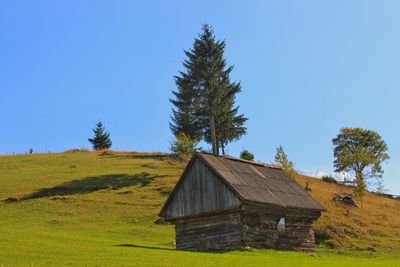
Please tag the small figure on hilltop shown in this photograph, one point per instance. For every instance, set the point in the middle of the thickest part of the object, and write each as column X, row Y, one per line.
column 101, row 139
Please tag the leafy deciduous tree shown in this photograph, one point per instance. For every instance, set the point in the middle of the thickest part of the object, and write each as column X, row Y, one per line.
column 282, row 159
column 183, row 146
column 246, row 155
column 361, row 152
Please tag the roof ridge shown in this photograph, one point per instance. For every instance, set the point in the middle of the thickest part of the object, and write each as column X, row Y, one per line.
column 272, row 166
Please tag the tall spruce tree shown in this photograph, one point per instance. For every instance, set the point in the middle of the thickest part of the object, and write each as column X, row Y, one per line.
column 205, row 99
column 184, row 119
column 230, row 125
column 101, row 139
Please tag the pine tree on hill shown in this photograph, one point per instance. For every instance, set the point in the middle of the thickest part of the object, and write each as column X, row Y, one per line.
column 101, row 139
column 229, row 125
column 184, row 119
column 205, row 99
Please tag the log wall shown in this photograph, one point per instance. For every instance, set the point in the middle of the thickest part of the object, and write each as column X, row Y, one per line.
column 260, row 228
column 214, row 232
column 298, row 235
column 247, row 226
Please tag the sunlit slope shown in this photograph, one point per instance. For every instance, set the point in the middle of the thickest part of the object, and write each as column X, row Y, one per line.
column 97, row 208
column 374, row 226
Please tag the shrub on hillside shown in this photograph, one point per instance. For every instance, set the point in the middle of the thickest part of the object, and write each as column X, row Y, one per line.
column 106, row 152
column 183, row 146
column 246, row 155
column 329, row 179
column 74, row 150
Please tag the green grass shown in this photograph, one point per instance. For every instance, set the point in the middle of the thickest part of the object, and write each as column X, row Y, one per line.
column 94, row 209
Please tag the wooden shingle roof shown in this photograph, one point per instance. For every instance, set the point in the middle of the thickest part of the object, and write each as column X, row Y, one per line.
column 262, row 183
column 251, row 182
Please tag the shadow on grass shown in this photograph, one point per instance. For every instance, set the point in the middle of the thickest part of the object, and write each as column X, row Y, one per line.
column 146, row 247
column 171, row 249
column 92, row 184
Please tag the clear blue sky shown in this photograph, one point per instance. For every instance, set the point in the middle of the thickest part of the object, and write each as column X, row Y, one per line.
column 307, row 68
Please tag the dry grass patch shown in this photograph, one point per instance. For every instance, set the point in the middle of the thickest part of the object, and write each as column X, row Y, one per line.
column 365, row 228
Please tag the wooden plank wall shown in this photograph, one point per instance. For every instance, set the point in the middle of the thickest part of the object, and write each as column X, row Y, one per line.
column 200, row 191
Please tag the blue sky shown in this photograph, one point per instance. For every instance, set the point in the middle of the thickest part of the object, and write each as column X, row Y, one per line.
column 307, row 68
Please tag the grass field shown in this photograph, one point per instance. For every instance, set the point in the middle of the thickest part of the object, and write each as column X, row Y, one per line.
column 99, row 209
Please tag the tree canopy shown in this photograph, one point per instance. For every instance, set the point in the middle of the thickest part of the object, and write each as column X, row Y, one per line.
column 183, row 146
column 282, row 159
column 247, row 155
column 361, row 152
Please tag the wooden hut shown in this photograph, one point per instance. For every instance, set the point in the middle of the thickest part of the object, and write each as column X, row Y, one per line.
column 224, row 203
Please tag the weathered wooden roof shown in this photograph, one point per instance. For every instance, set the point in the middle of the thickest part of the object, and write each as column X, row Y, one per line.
column 262, row 183
column 254, row 183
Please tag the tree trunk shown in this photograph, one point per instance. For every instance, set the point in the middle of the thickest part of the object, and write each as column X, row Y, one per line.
column 217, row 141
column 223, row 148
column 361, row 186
column 213, row 136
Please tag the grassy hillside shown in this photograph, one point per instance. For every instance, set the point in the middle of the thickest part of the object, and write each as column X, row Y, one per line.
column 98, row 209
column 374, row 227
